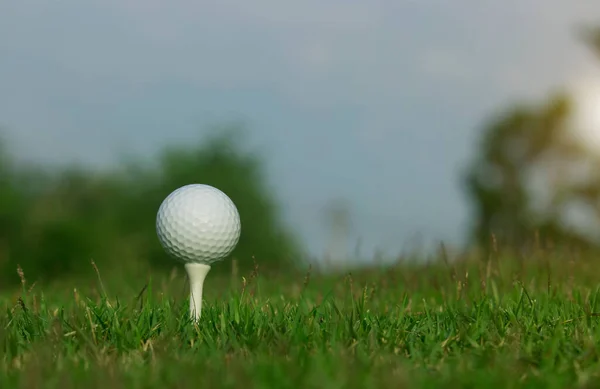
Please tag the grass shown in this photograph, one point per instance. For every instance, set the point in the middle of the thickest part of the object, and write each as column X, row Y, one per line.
column 501, row 323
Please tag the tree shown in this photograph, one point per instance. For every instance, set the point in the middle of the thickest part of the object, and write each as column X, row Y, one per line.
column 529, row 173
column 54, row 221
column 219, row 161
column 497, row 179
column 591, row 36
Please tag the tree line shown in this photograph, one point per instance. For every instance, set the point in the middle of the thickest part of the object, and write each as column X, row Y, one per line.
column 53, row 222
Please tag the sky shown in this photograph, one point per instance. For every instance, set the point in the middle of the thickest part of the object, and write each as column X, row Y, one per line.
column 378, row 103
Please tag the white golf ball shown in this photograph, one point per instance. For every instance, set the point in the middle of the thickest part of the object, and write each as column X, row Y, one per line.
column 198, row 224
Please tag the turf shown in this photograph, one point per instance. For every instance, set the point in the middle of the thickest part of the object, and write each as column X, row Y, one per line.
column 498, row 323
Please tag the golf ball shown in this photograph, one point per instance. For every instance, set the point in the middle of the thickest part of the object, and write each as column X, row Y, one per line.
column 198, row 224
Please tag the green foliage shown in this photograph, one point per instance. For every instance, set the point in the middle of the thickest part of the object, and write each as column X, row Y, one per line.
column 53, row 223
column 512, row 147
column 508, row 323
column 528, row 146
column 219, row 162
column 591, row 36
column 528, row 171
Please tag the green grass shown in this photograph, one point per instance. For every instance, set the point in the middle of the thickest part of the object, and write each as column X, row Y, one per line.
column 503, row 323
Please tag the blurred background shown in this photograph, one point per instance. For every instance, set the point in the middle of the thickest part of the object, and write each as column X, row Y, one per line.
column 346, row 132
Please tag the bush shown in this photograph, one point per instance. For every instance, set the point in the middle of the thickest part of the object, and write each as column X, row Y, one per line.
column 54, row 223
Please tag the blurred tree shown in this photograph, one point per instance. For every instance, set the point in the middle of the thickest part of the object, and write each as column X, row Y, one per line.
column 338, row 221
column 497, row 180
column 54, row 222
column 66, row 223
column 591, row 36
column 529, row 173
column 219, row 161
column 11, row 209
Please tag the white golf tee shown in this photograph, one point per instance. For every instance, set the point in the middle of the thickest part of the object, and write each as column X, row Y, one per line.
column 196, row 274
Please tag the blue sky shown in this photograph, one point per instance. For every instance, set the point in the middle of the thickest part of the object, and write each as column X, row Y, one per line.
column 375, row 102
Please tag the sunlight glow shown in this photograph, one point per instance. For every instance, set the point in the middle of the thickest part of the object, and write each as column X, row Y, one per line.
column 586, row 113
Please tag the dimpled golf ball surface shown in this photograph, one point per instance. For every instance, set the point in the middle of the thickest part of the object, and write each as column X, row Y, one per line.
column 198, row 224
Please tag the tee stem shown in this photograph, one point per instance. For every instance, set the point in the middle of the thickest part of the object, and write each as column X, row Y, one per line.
column 196, row 274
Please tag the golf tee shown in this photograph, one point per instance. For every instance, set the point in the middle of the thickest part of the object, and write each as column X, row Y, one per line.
column 196, row 274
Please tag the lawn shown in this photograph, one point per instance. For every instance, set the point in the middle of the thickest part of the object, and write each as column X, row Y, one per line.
column 502, row 322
